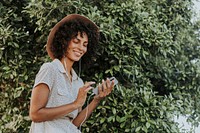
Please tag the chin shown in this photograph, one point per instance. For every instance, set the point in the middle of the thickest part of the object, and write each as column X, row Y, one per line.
column 76, row 59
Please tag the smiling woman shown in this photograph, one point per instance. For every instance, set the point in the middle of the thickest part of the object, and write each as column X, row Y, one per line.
column 58, row 41
column 77, row 47
column 58, row 93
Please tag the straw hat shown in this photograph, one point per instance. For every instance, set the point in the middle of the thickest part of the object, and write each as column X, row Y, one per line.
column 70, row 17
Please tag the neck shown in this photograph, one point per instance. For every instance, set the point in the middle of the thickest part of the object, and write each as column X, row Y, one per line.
column 67, row 65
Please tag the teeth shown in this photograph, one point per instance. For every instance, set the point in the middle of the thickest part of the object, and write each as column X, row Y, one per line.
column 77, row 53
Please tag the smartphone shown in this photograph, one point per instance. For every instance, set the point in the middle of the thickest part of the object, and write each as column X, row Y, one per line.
column 96, row 91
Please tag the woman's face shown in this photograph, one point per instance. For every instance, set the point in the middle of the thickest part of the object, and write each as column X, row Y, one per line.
column 77, row 47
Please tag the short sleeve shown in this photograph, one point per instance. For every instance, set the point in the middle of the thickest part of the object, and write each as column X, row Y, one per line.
column 45, row 75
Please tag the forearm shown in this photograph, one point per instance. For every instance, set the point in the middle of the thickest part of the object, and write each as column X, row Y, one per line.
column 38, row 110
column 82, row 115
column 47, row 114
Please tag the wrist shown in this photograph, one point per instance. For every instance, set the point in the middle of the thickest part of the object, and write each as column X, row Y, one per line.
column 96, row 100
column 76, row 105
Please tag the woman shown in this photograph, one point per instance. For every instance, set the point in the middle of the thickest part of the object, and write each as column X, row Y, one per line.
column 58, row 93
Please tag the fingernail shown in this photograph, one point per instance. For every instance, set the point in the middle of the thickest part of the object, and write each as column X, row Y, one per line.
column 92, row 82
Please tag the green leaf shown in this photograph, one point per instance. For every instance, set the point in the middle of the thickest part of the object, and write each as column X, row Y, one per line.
column 147, row 125
column 137, row 129
column 114, row 111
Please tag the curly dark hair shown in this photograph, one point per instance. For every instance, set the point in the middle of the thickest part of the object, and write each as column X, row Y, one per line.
column 68, row 31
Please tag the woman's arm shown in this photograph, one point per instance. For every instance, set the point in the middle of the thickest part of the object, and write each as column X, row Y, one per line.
column 38, row 110
column 85, row 113
column 104, row 89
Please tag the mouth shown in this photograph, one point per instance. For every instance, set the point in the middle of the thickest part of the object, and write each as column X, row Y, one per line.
column 77, row 53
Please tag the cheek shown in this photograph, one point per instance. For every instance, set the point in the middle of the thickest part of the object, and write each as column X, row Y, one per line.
column 85, row 50
column 68, row 50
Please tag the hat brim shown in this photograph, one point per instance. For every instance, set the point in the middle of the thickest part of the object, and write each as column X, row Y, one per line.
column 60, row 23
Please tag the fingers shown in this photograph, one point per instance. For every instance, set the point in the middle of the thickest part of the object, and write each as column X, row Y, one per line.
column 112, row 85
column 100, row 88
column 108, row 83
column 106, row 87
column 82, row 94
column 87, row 86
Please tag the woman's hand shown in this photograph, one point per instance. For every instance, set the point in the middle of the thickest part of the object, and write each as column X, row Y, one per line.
column 104, row 89
column 82, row 94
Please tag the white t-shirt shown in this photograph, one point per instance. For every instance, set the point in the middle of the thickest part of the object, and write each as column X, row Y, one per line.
column 62, row 91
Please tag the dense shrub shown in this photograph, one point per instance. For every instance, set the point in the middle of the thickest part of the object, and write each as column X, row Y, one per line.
column 150, row 46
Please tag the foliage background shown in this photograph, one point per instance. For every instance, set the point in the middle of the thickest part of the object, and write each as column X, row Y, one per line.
column 150, row 46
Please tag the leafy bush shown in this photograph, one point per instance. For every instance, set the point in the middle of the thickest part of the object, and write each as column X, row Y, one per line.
column 148, row 45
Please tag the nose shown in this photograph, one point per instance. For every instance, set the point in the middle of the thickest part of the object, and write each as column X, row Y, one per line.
column 81, row 47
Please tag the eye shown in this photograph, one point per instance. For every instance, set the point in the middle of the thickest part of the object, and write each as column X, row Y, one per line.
column 85, row 44
column 75, row 40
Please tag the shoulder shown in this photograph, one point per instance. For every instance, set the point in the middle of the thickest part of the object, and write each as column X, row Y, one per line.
column 47, row 65
column 46, row 75
column 47, row 69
